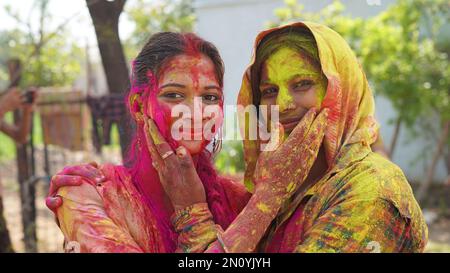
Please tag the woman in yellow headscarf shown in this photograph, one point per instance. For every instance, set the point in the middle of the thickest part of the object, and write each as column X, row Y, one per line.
column 350, row 199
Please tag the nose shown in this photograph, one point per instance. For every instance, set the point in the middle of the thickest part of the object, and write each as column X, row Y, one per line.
column 194, row 104
column 196, row 110
column 284, row 100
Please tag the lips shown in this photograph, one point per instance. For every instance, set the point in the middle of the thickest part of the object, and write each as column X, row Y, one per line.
column 290, row 123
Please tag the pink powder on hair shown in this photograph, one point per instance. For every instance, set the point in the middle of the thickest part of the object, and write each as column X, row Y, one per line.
column 146, row 178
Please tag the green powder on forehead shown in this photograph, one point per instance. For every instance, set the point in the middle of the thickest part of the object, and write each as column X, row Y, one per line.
column 296, row 38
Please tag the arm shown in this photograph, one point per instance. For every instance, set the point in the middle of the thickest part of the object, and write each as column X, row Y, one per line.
column 85, row 216
column 196, row 228
column 18, row 132
column 278, row 173
column 373, row 225
column 198, row 232
column 84, row 222
column 11, row 101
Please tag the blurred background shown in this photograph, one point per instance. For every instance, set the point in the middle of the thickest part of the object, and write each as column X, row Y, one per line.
column 77, row 55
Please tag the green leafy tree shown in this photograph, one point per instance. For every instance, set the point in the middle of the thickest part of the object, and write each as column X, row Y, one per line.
column 41, row 49
column 150, row 17
column 230, row 160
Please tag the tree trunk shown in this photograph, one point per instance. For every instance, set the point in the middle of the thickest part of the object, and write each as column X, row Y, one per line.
column 398, row 125
column 105, row 17
column 5, row 241
column 421, row 193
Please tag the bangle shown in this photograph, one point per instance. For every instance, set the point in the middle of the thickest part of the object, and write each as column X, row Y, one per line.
column 191, row 215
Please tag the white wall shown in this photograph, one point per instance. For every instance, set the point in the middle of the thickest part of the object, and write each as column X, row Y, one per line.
column 232, row 26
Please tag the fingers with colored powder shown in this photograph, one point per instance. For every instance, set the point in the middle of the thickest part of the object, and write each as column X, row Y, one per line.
column 302, row 154
column 72, row 176
column 299, row 133
column 276, row 139
column 278, row 174
column 157, row 161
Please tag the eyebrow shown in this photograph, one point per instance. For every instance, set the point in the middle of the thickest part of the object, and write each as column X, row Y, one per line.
column 295, row 76
column 209, row 87
column 173, row 85
column 265, row 82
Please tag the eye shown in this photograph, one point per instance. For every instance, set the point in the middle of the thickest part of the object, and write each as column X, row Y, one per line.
column 172, row 95
column 303, row 85
column 210, row 98
column 269, row 92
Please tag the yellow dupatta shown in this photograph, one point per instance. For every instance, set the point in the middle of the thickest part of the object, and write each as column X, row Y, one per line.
column 348, row 97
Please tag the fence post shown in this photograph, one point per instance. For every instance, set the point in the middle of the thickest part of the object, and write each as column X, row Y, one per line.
column 27, row 189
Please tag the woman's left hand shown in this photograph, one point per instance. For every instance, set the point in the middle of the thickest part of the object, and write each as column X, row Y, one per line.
column 176, row 170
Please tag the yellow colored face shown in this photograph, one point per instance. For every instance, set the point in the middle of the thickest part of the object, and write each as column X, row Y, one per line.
column 291, row 81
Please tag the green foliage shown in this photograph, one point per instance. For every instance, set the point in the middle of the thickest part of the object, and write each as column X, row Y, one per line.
column 150, row 17
column 230, row 160
column 49, row 57
column 57, row 65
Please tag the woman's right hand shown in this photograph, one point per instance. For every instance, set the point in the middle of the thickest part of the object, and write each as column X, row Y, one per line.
column 72, row 176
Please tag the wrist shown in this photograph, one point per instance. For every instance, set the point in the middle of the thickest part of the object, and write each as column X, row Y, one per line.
column 189, row 203
column 180, row 209
column 244, row 234
column 190, row 215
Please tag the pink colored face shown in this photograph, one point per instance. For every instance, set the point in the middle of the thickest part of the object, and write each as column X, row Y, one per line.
column 188, row 82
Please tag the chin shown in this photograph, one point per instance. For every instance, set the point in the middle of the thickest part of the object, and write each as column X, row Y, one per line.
column 194, row 147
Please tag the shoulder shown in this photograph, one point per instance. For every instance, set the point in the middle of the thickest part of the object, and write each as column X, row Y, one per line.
column 92, row 192
column 378, row 181
column 372, row 177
